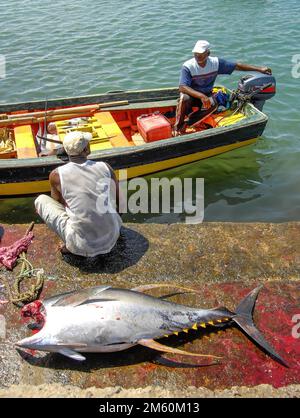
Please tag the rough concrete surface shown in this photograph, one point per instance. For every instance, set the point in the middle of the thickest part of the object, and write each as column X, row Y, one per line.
column 222, row 262
column 59, row 391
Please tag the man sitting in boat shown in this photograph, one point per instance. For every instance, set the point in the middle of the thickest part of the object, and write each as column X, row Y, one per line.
column 49, row 143
column 197, row 80
column 82, row 206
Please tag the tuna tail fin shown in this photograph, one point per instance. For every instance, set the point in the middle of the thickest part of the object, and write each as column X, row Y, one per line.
column 244, row 320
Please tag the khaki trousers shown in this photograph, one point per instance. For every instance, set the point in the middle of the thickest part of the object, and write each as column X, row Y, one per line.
column 53, row 214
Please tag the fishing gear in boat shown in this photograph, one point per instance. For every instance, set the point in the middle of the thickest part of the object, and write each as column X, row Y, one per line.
column 55, row 114
column 44, row 138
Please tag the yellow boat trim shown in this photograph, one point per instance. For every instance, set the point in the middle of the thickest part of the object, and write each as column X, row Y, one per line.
column 43, row 186
column 143, row 170
column 30, row 187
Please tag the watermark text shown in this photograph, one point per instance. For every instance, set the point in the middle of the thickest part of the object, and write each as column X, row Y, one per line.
column 2, row 66
column 296, row 66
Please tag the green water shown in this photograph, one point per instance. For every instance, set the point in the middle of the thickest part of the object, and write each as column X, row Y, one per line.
column 75, row 48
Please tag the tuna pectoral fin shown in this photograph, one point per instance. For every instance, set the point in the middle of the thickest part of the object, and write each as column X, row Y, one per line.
column 160, row 347
column 244, row 320
column 71, row 354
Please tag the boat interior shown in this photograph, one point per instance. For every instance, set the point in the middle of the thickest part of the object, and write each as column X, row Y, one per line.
column 110, row 127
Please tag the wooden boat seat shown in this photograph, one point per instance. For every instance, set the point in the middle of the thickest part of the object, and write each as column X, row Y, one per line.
column 112, row 130
column 25, row 142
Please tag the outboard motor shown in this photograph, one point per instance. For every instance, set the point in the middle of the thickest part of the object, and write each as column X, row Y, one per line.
column 256, row 88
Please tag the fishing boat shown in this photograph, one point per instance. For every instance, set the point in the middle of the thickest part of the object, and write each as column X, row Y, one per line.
column 115, row 121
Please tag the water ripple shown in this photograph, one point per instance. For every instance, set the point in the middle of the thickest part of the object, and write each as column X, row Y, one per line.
column 74, row 48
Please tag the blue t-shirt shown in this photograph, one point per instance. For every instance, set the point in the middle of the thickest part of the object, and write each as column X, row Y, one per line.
column 202, row 79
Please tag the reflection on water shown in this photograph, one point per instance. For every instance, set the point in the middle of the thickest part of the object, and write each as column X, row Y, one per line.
column 232, row 178
column 257, row 183
column 238, row 186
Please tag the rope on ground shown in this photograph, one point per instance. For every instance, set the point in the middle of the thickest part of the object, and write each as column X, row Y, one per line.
column 27, row 270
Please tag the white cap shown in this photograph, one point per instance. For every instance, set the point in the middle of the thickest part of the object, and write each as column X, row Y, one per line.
column 201, row 46
column 75, row 142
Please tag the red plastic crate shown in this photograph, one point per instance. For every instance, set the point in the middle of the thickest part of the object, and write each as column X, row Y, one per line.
column 154, row 127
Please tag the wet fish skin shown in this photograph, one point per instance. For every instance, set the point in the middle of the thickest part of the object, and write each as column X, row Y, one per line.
column 114, row 316
column 105, row 319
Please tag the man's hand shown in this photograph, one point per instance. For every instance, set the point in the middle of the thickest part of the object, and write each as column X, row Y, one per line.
column 205, row 101
column 197, row 95
column 266, row 70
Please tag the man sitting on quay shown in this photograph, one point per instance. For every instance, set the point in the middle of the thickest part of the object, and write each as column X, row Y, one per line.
column 82, row 208
column 197, row 81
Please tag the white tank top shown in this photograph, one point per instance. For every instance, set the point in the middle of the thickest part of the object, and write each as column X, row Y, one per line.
column 94, row 225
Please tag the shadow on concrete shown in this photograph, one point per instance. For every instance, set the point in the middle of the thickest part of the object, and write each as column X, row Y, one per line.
column 130, row 247
column 98, row 361
column 132, row 356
